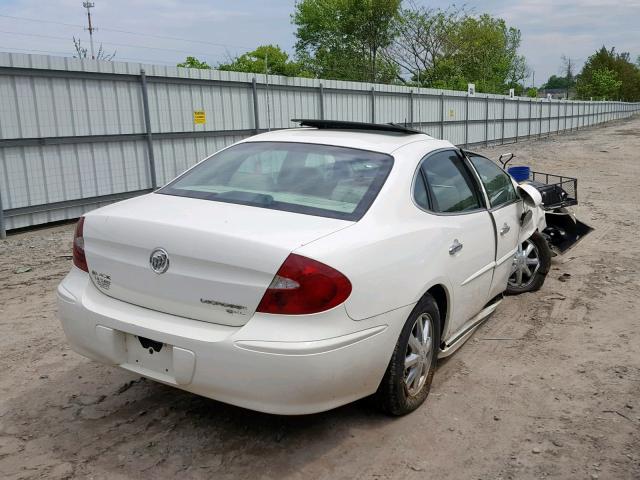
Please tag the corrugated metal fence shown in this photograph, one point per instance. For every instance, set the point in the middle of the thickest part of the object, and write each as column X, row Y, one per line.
column 76, row 134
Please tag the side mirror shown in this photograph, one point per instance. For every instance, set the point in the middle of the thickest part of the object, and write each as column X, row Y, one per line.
column 530, row 194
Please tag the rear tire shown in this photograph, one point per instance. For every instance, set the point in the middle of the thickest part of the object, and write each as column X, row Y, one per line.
column 531, row 264
column 407, row 381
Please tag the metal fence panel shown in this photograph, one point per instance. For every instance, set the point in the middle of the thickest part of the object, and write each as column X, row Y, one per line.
column 75, row 134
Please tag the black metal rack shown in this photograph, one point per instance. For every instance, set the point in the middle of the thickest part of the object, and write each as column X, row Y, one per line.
column 560, row 191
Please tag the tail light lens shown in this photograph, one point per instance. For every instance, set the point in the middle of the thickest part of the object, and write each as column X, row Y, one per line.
column 79, row 259
column 303, row 286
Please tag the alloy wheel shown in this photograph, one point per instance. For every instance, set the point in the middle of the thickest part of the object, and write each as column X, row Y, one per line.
column 526, row 263
column 419, row 354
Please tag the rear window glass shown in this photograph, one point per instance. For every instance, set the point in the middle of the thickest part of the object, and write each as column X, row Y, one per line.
column 320, row 180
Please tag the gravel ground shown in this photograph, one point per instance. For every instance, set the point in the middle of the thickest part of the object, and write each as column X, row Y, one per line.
column 549, row 387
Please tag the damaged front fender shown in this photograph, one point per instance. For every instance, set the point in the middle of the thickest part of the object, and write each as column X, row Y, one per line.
column 559, row 226
column 536, row 220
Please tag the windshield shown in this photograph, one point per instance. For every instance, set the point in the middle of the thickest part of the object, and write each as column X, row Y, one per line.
column 320, row 180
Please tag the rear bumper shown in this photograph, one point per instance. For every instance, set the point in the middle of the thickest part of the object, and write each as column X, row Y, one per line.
column 275, row 364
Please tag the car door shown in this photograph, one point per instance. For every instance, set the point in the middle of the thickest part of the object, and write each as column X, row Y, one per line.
column 506, row 209
column 445, row 186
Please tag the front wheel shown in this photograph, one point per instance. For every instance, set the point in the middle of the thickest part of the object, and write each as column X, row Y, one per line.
column 407, row 381
column 531, row 263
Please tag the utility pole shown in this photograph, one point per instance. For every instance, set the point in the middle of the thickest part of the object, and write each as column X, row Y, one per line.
column 89, row 6
column 567, row 69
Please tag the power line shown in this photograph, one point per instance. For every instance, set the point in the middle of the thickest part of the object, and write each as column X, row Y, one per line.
column 42, row 21
column 113, row 44
column 104, row 29
column 223, row 45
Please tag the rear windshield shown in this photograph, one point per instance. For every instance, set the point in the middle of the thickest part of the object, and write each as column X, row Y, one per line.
column 320, row 180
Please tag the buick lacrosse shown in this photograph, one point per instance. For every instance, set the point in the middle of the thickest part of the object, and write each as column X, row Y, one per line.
column 302, row 269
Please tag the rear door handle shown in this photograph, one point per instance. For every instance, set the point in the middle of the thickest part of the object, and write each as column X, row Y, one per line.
column 455, row 247
column 505, row 228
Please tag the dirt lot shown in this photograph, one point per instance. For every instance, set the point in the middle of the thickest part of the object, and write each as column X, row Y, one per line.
column 549, row 387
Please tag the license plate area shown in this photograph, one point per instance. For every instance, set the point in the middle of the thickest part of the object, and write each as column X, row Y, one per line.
column 148, row 354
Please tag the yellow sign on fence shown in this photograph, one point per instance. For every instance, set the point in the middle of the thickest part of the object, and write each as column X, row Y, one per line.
column 199, row 117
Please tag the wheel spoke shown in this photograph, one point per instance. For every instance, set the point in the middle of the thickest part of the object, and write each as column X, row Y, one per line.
column 528, row 250
column 411, row 360
column 414, row 344
column 411, row 377
column 418, row 356
column 426, row 330
column 525, row 269
column 427, row 346
column 519, row 276
column 419, row 329
column 533, row 262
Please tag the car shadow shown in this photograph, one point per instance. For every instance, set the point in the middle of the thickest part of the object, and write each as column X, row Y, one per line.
column 103, row 420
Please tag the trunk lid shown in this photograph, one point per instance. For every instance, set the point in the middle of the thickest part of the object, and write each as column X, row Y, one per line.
column 222, row 256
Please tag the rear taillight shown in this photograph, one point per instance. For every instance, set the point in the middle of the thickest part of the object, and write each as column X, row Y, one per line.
column 304, row 286
column 79, row 260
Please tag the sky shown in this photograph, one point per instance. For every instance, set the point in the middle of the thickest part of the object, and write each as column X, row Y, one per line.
column 217, row 30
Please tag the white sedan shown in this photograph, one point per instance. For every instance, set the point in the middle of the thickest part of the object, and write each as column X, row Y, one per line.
column 302, row 269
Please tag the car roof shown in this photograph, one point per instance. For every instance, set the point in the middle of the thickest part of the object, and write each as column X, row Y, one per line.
column 377, row 141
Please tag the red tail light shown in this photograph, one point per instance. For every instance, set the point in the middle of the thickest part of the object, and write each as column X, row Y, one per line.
column 304, row 286
column 79, row 260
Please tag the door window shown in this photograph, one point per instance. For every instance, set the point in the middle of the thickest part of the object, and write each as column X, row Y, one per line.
column 496, row 181
column 450, row 184
column 420, row 192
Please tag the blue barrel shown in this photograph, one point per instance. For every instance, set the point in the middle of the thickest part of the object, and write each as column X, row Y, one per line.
column 519, row 174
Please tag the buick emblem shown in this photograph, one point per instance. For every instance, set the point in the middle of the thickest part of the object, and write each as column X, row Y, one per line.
column 159, row 260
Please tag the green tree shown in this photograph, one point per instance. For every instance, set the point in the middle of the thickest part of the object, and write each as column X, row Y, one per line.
column 486, row 52
column 603, row 84
column 269, row 59
column 421, row 45
column 342, row 39
column 556, row 82
column 451, row 48
column 609, row 74
column 532, row 92
column 193, row 62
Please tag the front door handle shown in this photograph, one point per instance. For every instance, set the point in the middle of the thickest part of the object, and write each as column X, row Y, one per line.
column 455, row 247
column 505, row 228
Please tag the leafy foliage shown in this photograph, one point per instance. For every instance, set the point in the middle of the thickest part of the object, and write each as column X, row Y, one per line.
column 193, row 62
column 342, row 39
column 609, row 75
column 388, row 41
column 556, row 82
column 603, row 84
column 487, row 54
column 269, row 59
column 451, row 48
column 422, row 42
